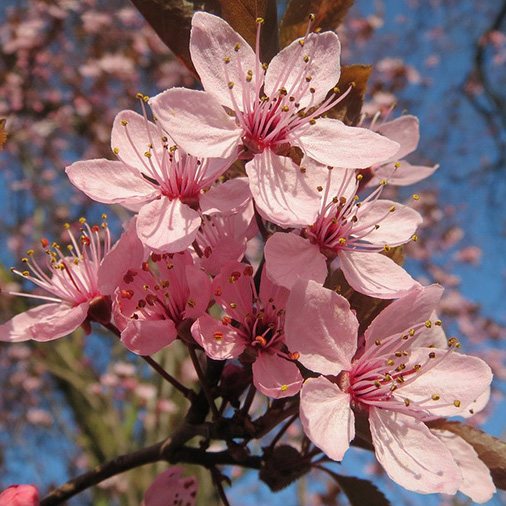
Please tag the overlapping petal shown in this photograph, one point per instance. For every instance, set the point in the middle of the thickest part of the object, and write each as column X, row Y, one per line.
column 321, row 328
column 375, row 275
column 326, row 416
column 145, row 337
column 331, row 142
column 407, row 450
column 290, row 257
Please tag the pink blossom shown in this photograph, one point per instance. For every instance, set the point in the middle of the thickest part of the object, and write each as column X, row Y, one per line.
column 259, row 115
column 79, row 284
column 170, row 487
column 353, row 231
column 251, row 329
column 397, row 171
column 223, row 238
column 153, row 177
column 153, row 300
column 399, row 379
column 20, row 495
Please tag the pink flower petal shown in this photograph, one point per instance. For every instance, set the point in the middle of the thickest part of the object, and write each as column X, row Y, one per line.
column 122, row 184
column 477, row 482
column 229, row 197
column 320, row 326
column 20, row 495
column 276, row 377
column 288, row 68
column 197, row 122
column 170, row 487
column 227, row 250
column 211, row 41
column 375, row 275
column 128, row 252
column 458, row 380
column 132, row 136
column 44, row 323
column 290, row 257
column 281, row 192
column 220, row 341
column 402, row 175
column 167, row 225
column 145, row 337
column 331, row 142
column 326, row 416
column 415, row 307
column 412, row 456
column 404, row 130
column 397, row 228
column 200, row 291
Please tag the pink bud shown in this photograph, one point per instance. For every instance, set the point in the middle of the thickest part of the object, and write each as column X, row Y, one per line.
column 20, row 495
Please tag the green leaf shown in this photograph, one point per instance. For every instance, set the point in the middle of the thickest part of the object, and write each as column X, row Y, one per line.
column 328, row 16
column 492, row 451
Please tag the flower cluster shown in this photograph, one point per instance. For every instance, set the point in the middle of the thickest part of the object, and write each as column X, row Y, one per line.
column 249, row 196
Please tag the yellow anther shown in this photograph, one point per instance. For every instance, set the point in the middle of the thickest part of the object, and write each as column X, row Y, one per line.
column 416, row 196
column 383, row 183
column 226, row 59
column 308, row 79
column 115, row 151
column 24, row 260
column 303, row 170
column 311, row 17
column 319, row 188
column 392, row 209
column 139, row 95
column 82, row 220
column 438, row 323
column 412, row 332
column 377, row 384
column 397, row 165
column 414, row 238
column 124, row 122
column 147, row 154
column 306, row 58
column 25, row 273
column 336, row 90
column 417, row 367
column 407, row 402
column 318, row 30
column 104, row 216
column 30, row 252
column 428, row 324
column 191, row 303
column 230, row 85
column 312, row 122
column 145, row 98
column 436, row 397
column 360, row 177
column 285, row 108
column 301, row 42
column 377, row 342
column 390, row 362
column 456, row 403
column 386, row 248
column 432, row 354
column 312, row 90
column 233, row 305
column 342, row 240
column 284, row 388
column 260, row 21
column 237, row 47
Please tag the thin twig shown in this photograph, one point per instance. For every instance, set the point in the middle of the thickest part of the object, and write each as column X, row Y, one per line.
column 216, row 475
column 187, row 392
column 203, row 382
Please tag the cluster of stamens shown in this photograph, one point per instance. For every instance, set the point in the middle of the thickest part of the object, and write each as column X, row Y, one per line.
column 163, row 165
column 70, row 277
column 379, row 375
column 156, row 291
column 277, row 121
